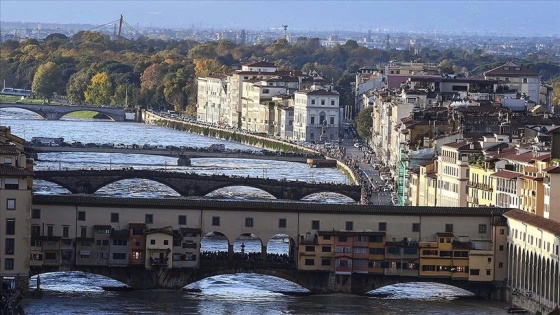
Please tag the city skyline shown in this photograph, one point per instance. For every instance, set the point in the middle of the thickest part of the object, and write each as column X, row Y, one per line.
column 516, row 18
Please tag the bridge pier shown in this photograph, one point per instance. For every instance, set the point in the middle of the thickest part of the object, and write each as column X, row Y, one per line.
column 183, row 161
column 230, row 251
column 263, row 252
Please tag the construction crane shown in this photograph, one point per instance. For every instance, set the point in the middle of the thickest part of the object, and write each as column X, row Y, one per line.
column 285, row 31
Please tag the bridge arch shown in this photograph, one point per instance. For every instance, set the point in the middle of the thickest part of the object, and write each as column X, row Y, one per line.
column 250, row 185
column 273, row 282
column 90, row 188
column 148, row 188
column 77, row 279
column 328, row 197
column 17, row 106
column 420, row 290
column 262, row 194
column 109, row 116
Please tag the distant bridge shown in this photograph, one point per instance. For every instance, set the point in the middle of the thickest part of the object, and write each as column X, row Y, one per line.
column 55, row 112
column 187, row 184
column 184, row 156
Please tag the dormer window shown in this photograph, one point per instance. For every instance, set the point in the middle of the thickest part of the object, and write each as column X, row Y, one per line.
column 517, row 69
column 506, row 68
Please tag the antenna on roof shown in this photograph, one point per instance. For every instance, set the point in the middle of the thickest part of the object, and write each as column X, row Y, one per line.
column 285, row 31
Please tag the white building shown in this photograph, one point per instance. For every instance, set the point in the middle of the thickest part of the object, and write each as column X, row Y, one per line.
column 316, row 112
column 513, row 77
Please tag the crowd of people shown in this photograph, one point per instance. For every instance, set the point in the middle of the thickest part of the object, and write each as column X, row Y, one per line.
column 252, row 256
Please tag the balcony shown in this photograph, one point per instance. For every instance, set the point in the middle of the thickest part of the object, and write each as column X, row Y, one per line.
column 473, row 200
column 158, row 261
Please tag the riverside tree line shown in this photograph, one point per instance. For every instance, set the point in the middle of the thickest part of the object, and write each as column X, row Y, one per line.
column 90, row 68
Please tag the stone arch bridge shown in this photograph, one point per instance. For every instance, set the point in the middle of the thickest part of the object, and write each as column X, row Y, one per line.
column 190, row 184
column 317, row 282
column 55, row 112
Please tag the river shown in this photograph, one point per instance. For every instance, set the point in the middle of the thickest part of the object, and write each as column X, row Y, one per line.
column 80, row 293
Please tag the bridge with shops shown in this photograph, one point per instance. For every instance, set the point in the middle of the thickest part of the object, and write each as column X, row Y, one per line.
column 301, row 223
column 184, row 156
column 191, row 184
column 55, row 112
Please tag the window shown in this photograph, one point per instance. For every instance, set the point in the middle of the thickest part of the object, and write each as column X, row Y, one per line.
column 377, row 251
column 10, row 244
column 449, row 228
column 152, row 242
column 482, row 228
column 502, row 231
column 149, row 219
column 325, row 262
column 282, row 223
column 81, row 215
column 312, row 120
column 182, row 220
column 309, row 262
column 332, row 102
column 114, row 217
column 118, row 242
column 65, row 231
column 488, row 272
column 248, row 222
column 322, row 102
column 474, row 272
column 343, row 239
column 325, row 249
column 415, row 227
column 36, row 214
column 83, row 231
column 11, row 183
column 136, row 255
column 309, row 248
column 315, row 225
column 501, row 247
column 10, row 226
column 312, row 102
column 10, row 204
column 332, row 120
column 382, row 226
column 9, row 264
column 119, row 256
column 501, row 265
column 35, row 230
column 50, row 230
column 103, row 255
column 215, row 221
column 165, row 242
column 7, row 160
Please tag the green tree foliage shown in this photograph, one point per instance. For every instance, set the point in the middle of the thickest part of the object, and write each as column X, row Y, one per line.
column 162, row 73
column 77, row 86
column 46, row 80
column 100, row 90
column 556, row 93
column 364, row 123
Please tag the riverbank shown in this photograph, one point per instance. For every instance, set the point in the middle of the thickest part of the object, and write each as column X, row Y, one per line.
column 152, row 118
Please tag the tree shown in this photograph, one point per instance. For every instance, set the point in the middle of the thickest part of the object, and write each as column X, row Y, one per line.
column 100, row 90
column 364, row 123
column 556, row 93
column 46, row 80
column 77, row 86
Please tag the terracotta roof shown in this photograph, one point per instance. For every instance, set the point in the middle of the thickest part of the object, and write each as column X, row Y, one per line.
column 506, row 174
column 513, row 156
column 511, row 69
column 542, row 157
column 534, row 220
column 552, row 169
column 9, row 170
column 538, row 179
column 260, row 64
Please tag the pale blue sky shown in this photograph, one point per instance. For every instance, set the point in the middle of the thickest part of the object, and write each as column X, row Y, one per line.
column 512, row 17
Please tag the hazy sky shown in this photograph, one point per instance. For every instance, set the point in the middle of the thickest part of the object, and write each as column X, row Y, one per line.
column 511, row 17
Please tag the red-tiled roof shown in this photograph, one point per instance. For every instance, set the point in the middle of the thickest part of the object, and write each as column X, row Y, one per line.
column 511, row 69
column 552, row 169
column 534, row 220
column 260, row 64
column 9, row 170
column 506, row 174
column 542, row 157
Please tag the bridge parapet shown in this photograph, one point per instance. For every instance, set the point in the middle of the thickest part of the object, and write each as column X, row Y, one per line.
column 191, row 184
